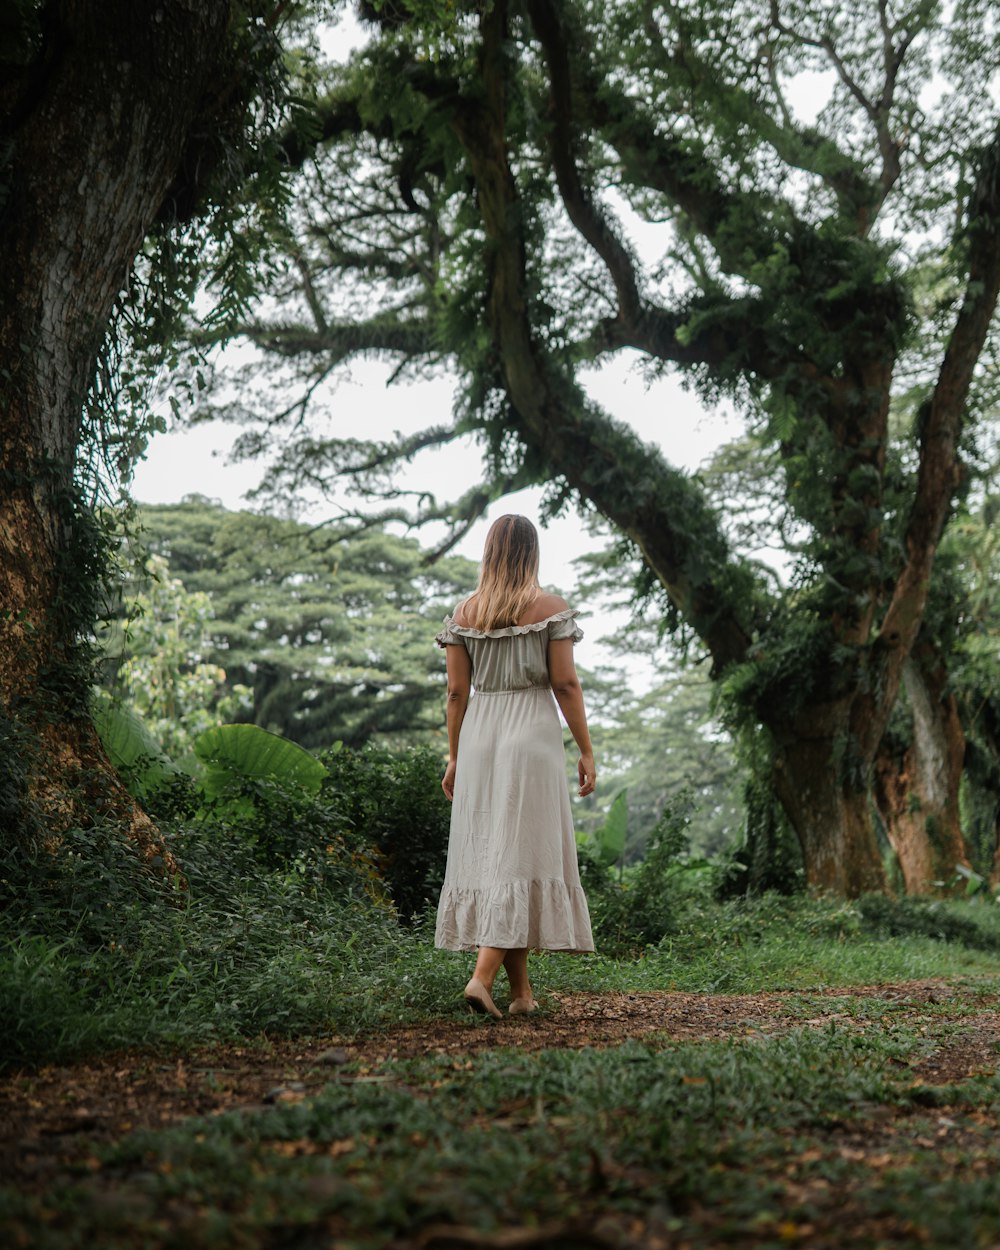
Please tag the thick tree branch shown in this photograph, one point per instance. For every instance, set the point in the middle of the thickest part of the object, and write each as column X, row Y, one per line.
column 653, row 505
column 893, row 56
column 339, row 341
column 638, row 324
column 734, row 341
column 333, row 117
column 340, row 114
column 939, row 471
column 742, row 226
column 589, row 220
column 736, row 223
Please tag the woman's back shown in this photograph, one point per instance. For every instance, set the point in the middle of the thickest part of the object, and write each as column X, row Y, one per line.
column 541, row 608
column 513, row 657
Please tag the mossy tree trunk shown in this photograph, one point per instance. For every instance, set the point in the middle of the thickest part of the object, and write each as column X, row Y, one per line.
column 916, row 783
column 95, row 126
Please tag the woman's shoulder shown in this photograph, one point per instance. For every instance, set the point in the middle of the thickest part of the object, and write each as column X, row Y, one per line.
column 542, row 608
column 465, row 612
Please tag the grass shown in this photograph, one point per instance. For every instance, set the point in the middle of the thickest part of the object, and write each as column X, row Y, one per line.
column 202, row 974
column 766, row 1143
column 779, row 943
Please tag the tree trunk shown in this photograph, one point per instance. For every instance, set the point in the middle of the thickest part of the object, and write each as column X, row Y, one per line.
column 94, row 133
column 995, row 870
column 831, row 817
column 986, row 779
column 916, row 785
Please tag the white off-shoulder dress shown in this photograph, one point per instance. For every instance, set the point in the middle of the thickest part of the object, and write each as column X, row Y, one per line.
column 512, row 878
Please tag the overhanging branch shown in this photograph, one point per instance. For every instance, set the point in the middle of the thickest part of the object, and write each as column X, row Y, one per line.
column 340, row 341
column 735, row 335
column 657, row 508
column 939, row 470
column 732, row 339
column 590, row 221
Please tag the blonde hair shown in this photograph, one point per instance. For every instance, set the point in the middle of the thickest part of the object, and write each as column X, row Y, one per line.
column 508, row 576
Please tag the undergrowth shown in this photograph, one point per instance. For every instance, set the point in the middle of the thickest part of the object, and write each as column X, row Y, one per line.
column 287, row 927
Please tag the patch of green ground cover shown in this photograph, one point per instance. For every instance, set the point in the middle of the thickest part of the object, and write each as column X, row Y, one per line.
column 96, row 954
column 914, row 1007
column 782, row 962
column 778, row 943
column 290, row 965
column 737, row 1143
column 212, row 980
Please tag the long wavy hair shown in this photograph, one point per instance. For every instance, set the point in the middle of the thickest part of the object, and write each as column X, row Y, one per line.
column 508, row 576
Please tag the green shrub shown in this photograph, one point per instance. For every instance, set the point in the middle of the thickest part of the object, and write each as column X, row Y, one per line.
column 44, row 1008
column 639, row 906
column 973, row 924
column 386, row 805
column 96, row 952
column 285, row 925
column 394, row 801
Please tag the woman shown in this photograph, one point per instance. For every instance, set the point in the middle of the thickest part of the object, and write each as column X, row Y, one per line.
column 512, row 882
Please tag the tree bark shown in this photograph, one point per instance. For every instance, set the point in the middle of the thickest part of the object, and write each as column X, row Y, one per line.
column 986, row 780
column 995, row 870
column 916, row 786
column 826, row 798
column 94, row 133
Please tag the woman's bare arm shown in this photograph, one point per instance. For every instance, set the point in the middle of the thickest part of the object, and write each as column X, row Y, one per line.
column 569, row 695
column 459, row 686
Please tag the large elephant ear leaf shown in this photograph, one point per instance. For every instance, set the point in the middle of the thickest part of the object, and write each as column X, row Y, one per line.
column 130, row 745
column 234, row 753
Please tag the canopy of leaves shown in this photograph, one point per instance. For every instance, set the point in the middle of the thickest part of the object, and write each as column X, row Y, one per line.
column 673, row 202
column 529, row 188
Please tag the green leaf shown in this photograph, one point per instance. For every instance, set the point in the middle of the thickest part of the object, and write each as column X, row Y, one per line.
column 130, row 745
column 232, row 753
column 610, row 837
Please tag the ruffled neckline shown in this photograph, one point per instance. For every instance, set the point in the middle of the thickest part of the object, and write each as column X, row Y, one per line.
column 510, row 631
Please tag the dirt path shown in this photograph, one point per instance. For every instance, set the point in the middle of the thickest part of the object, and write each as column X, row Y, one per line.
column 54, row 1118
